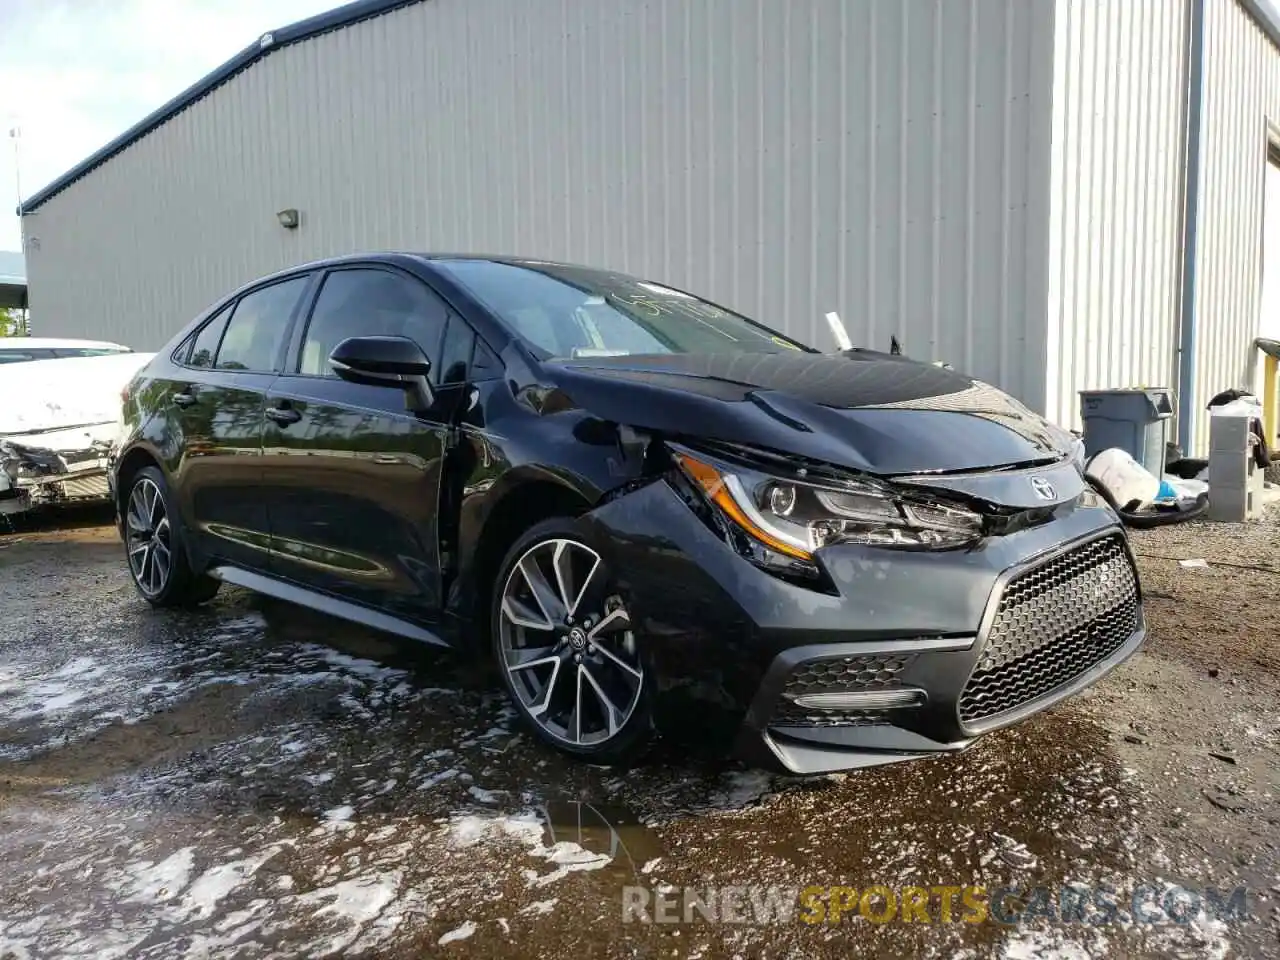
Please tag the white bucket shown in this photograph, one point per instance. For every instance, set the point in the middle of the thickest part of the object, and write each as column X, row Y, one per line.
column 1130, row 484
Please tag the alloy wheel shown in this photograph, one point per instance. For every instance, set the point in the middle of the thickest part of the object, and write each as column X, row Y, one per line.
column 149, row 538
column 567, row 644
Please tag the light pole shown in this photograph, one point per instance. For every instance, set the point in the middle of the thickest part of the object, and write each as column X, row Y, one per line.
column 15, row 134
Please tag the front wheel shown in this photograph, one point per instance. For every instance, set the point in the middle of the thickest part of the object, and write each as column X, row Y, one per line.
column 155, row 549
column 567, row 649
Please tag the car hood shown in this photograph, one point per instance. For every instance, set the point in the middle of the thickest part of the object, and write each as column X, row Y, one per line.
column 44, row 395
column 862, row 410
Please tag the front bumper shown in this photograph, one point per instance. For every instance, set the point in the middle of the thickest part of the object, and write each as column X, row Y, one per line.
column 59, row 466
column 975, row 639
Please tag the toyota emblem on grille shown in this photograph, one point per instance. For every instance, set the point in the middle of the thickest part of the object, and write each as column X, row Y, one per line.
column 1043, row 488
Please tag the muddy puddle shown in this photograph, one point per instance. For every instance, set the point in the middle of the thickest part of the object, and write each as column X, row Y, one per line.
column 252, row 780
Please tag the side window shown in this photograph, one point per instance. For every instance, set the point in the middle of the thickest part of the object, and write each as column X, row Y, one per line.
column 257, row 327
column 357, row 303
column 455, row 356
column 205, row 345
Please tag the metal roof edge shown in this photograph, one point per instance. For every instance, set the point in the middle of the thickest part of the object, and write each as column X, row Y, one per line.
column 336, row 19
column 1267, row 16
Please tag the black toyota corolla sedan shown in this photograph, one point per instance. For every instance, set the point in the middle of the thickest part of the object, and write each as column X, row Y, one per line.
column 653, row 513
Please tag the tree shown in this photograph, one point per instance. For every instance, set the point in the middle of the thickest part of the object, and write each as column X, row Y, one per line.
column 11, row 323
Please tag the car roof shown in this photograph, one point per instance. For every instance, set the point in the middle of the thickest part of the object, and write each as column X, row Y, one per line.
column 400, row 256
column 395, row 258
column 53, row 343
column 513, row 260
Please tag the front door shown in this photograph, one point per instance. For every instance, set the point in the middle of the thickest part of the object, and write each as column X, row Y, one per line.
column 217, row 396
column 352, row 477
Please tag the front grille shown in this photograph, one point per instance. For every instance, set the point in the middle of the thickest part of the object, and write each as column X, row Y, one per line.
column 839, row 675
column 1052, row 624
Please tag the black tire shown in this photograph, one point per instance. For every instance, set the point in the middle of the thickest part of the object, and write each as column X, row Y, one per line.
column 155, row 545
column 609, row 650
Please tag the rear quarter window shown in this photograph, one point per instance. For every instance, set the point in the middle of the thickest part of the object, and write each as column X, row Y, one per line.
column 204, row 346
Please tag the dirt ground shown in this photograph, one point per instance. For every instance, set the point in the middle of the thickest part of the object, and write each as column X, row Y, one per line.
column 252, row 780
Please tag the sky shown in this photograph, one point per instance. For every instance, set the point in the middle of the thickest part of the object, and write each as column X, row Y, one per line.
column 74, row 74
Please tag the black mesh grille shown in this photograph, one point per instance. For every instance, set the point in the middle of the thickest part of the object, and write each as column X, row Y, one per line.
column 790, row 715
column 1053, row 623
column 839, row 675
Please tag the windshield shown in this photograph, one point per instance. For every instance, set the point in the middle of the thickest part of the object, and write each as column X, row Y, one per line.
column 567, row 313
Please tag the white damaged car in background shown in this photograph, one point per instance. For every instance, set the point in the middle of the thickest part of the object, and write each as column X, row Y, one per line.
column 58, row 419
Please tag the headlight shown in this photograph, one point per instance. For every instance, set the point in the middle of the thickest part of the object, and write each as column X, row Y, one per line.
column 796, row 517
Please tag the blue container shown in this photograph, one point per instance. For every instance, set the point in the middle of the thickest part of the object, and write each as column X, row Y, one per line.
column 1135, row 420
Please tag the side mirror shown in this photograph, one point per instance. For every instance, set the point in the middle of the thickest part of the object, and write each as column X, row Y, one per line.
column 386, row 362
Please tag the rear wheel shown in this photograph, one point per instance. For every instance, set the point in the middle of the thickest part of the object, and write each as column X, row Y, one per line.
column 567, row 649
column 155, row 548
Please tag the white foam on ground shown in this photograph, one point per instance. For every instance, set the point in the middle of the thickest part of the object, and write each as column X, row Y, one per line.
column 352, row 906
column 539, row 907
column 164, row 880
column 568, row 858
column 1051, row 944
column 23, row 697
column 357, row 667
column 1200, row 936
column 438, row 778
column 212, row 886
column 527, row 828
column 473, row 829
column 459, row 933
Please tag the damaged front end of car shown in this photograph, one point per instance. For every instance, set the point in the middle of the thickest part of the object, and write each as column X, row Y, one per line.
column 816, row 618
column 834, row 562
column 65, row 465
column 778, row 511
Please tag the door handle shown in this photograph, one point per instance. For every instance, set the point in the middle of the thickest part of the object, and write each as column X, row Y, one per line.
column 183, row 399
column 283, row 415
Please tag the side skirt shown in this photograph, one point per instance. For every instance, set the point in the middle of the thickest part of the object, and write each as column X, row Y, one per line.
column 324, row 603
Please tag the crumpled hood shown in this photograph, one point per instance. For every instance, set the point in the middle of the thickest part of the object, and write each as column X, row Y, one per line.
column 861, row 410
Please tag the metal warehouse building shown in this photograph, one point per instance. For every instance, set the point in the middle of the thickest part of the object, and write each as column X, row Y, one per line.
column 1050, row 194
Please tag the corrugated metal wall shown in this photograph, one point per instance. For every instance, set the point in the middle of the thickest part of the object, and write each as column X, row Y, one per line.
column 1241, row 98
column 787, row 157
column 1115, row 194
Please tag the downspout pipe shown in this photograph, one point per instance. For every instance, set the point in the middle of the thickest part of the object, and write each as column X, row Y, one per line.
column 1191, row 230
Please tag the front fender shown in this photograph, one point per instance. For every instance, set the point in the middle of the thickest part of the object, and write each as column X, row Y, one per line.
column 498, row 483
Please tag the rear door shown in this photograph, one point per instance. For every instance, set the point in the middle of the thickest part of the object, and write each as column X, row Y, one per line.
column 352, row 476
column 217, row 399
